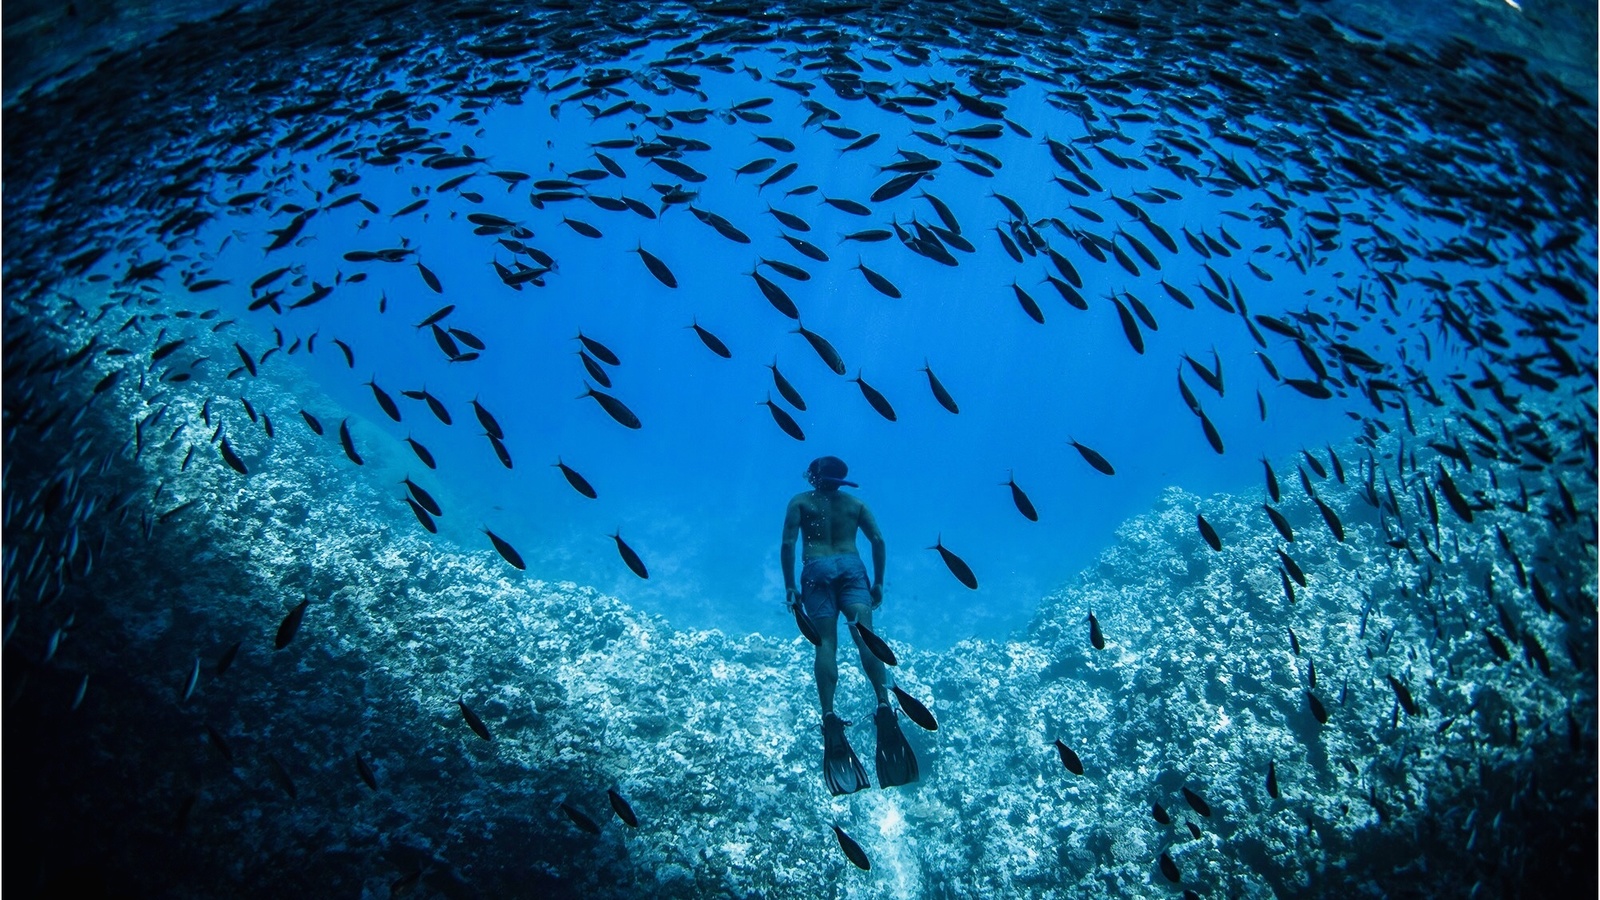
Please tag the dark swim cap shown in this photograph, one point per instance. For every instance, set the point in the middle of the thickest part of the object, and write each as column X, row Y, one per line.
column 829, row 470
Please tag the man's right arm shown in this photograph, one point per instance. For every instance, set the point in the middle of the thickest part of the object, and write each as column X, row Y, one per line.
column 869, row 527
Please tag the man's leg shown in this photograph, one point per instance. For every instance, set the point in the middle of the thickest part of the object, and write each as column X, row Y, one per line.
column 870, row 664
column 827, row 664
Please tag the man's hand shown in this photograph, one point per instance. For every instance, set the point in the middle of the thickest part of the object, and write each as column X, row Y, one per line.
column 792, row 599
column 877, row 595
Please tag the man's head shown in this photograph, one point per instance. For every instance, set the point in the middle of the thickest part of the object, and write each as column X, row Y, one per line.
column 827, row 473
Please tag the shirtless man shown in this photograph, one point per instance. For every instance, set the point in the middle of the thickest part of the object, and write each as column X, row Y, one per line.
column 834, row 580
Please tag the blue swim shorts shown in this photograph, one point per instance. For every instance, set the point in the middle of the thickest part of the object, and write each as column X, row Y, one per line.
column 830, row 583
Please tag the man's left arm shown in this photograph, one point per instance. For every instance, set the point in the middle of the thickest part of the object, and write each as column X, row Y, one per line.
column 791, row 531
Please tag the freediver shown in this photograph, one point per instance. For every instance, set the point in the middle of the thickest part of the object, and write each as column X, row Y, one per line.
column 834, row 580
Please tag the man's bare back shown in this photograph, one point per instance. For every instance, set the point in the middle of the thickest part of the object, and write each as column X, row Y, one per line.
column 828, row 520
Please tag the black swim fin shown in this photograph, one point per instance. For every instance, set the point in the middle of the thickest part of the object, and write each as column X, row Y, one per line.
column 841, row 770
column 896, row 763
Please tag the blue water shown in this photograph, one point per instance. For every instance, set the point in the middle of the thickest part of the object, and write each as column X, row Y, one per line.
column 135, row 553
column 699, row 490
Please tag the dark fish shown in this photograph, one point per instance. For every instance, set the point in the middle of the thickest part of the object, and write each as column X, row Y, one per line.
column 1497, row 646
column 805, row 248
column 1272, row 481
column 424, row 499
column 1096, row 639
column 473, row 722
column 1317, row 709
column 849, row 206
column 958, row 567
column 880, row 283
column 755, row 167
column 722, row 226
column 1170, row 868
column 506, row 550
column 1094, row 459
column 896, row 186
column 787, row 270
column 385, row 401
column 784, row 420
column 622, row 809
column 232, row 458
column 1009, row 245
column 915, row 710
column 599, row 351
column 290, row 625
column 824, row 349
column 1160, row 814
column 939, row 393
column 613, row 407
column 1213, row 379
column 1403, row 694
column 782, row 172
column 1024, row 505
column 1209, row 533
column 712, row 341
column 628, row 556
column 1279, row 522
column 422, row 453
column 366, row 773
column 430, row 279
column 852, row 850
column 869, row 236
column 785, row 389
column 166, row 350
column 1452, row 496
column 349, row 446
column 1029, row 305
column 657, row 267
column 1130, row 328
column 1315, row 464
column 582, row 227
column 1069, row 758
column 434, row 405
column 1212, row 436
column 423, row 517
column 1197, row 803
column 776, row 296
column 1293, row 568
column 1328, row 516
column 244, row 355
column 1187, row 395
column 578, row 482
column 1312, row 389
column 1182, row 298
column 436, row 317
column 789, row 220
column 1272, row 779
column 580, row 819
column 877, row 400
column 875, row 645
column 487, row 420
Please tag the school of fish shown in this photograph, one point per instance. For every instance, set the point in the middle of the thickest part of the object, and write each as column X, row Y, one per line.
column 1471, row 395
